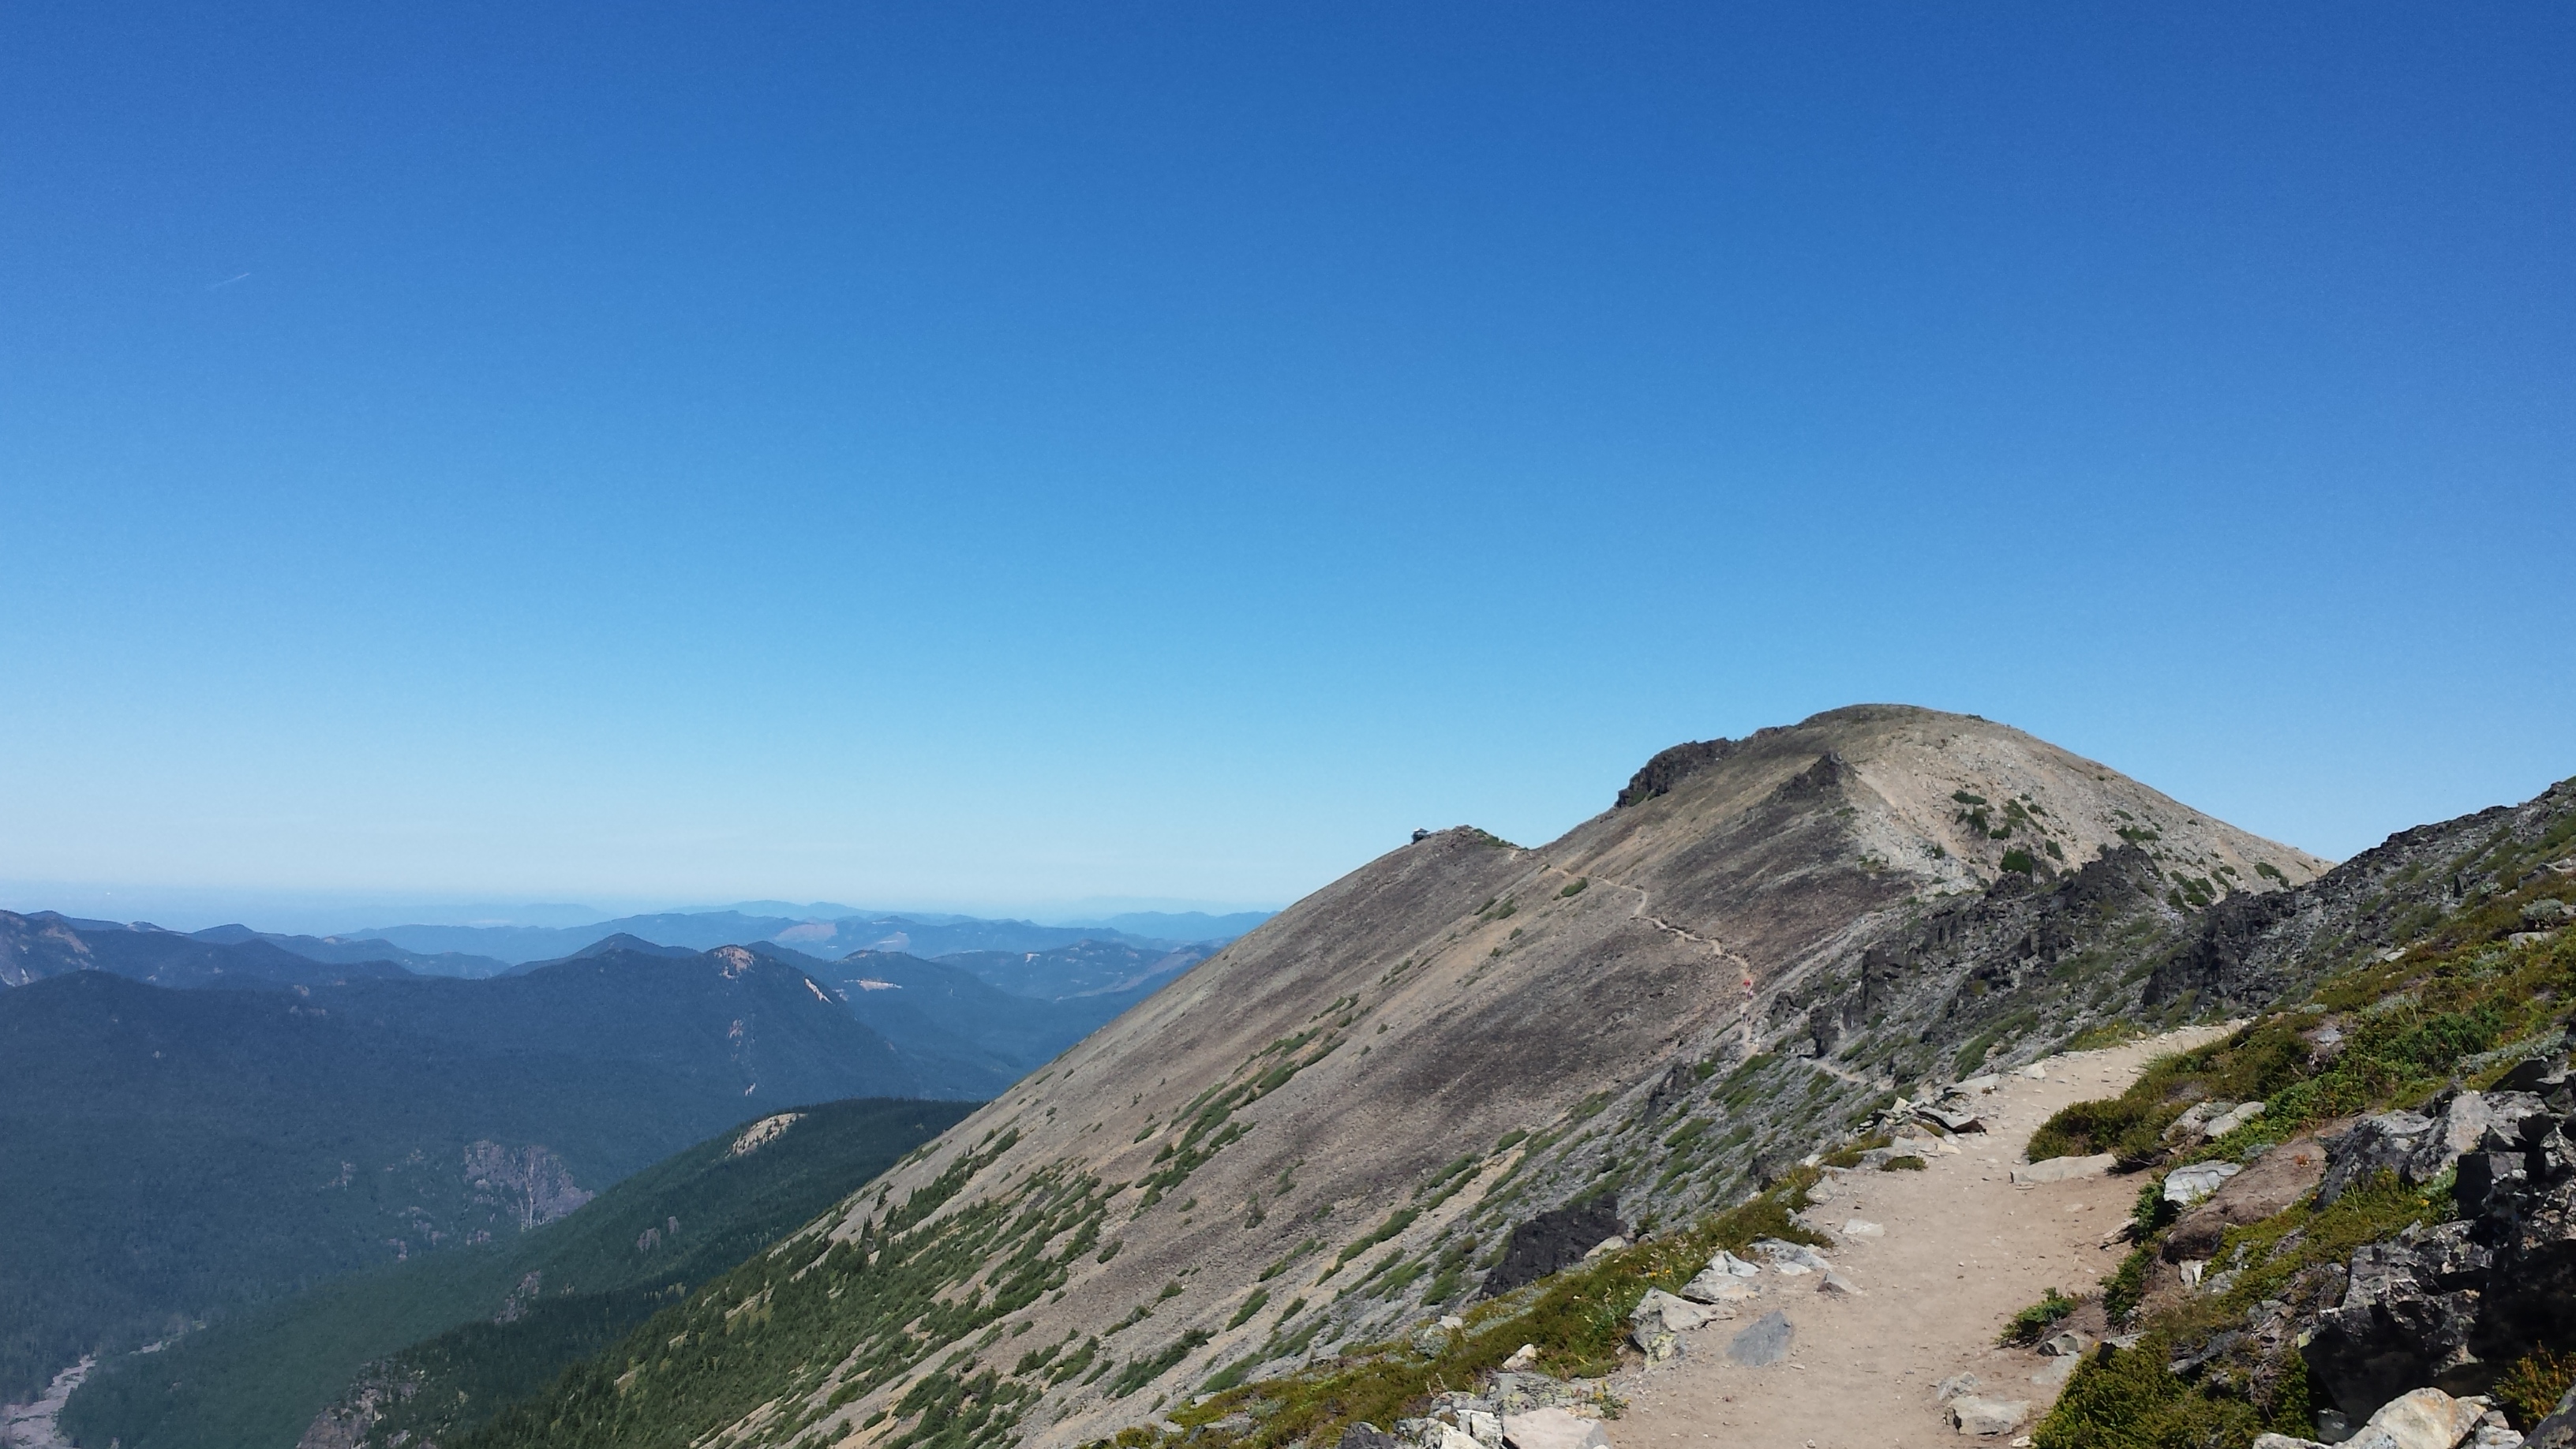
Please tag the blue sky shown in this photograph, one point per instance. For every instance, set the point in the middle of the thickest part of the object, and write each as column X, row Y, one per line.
column 995, row 458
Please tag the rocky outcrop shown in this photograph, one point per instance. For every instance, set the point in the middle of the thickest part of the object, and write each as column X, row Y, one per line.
column 2451, row 1305
column 2419, row 1148
column 1553, row 1241
column 1980, row 960
column 1669, row 767
column 2420, row 1419
column 347, row 1422
column 529, row 1183
column 2255, row 948
column 1510, row 1407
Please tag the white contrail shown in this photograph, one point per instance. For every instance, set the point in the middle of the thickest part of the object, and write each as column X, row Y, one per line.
column 228, row 281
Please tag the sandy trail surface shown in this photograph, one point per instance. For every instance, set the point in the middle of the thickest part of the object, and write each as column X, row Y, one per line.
column 1963, row 1249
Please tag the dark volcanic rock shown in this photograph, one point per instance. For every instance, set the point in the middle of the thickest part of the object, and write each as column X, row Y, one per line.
column 1553, row 1241
column 1962, row 964
column 1659, row 775
column 2401, row 1324
column 2252, row 949
column 2388, row 1142
column 2453, row 1305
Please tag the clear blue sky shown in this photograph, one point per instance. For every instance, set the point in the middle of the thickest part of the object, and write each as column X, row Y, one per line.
column 993, row 457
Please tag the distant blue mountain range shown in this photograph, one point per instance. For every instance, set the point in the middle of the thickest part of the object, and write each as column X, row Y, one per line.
column 925, row 935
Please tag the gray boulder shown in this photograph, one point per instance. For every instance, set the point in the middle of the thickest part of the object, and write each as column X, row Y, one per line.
column 2545, row 1077
column 2227, row 1122
column 1553, row 1429
column 2420, row 1148
column 1970, row 1414
column 1790, row 1258
column 1764, row 1341
column 2420, row 1419
column 1366, row 1436
column 1718, row 1289
column 2409, row 1316
column 2385, row 1143
column 1661, row 1312
column 2193, row 1124
column 2187, row 1185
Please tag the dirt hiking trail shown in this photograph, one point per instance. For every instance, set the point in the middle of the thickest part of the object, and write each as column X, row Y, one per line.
column 1962, row 1249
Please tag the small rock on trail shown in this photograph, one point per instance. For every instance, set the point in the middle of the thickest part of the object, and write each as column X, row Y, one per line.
column 1764, row 1341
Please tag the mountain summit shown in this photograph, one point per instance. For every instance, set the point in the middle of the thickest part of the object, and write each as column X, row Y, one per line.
column 1343, row 1119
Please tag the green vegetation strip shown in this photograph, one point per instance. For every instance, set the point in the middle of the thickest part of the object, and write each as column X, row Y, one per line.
column 2463, row 1004
column 1576, row 1320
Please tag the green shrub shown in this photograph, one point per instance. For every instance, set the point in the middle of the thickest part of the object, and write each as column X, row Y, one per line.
column 1907, row 1163
column 2130, row 1400
column 2127, row 1284
column 2032, row 1324
column 2531, row 1389
column 1142, row 1371
column 1576, row 889
column 2119, row 1124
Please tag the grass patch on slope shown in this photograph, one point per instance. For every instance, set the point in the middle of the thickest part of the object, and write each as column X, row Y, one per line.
column 1576, row 1319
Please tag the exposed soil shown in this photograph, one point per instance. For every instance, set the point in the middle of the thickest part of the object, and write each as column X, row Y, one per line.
column 1963, row 1250
column 36, row 1425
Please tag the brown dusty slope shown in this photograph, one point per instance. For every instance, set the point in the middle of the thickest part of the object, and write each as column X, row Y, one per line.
column 1299, row 1088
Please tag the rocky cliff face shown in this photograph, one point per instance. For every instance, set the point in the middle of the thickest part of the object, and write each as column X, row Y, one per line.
column 1331, row 1128
column 2257, row 948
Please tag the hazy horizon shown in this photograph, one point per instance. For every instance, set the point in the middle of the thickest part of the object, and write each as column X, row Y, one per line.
column 289, row 913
